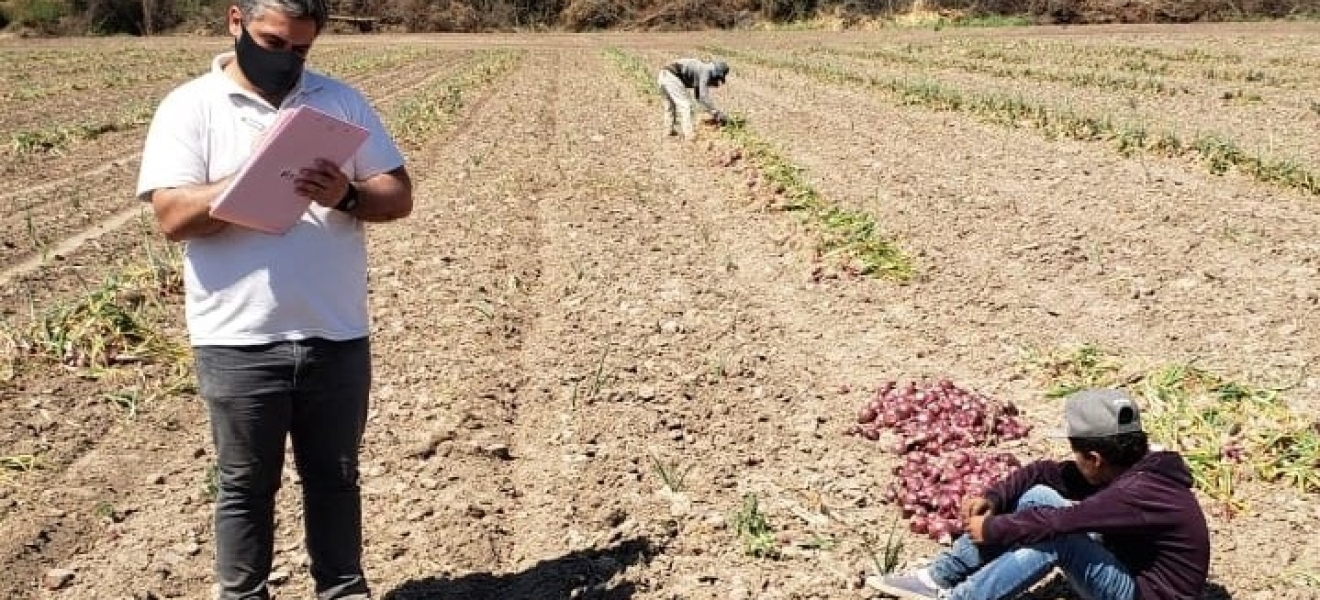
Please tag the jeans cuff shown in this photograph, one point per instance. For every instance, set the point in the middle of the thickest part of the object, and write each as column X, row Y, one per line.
column 938, row 578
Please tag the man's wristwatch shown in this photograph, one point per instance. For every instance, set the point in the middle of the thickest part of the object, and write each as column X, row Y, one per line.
column 351, row 199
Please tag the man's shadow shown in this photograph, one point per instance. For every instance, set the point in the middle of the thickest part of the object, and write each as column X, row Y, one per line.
column 580, row 575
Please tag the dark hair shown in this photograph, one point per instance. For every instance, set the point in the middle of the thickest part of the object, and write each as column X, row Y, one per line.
column 1122, row 450
column 315, row 10
column 719, row 70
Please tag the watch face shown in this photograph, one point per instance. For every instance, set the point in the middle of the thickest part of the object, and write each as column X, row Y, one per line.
column 351, row 199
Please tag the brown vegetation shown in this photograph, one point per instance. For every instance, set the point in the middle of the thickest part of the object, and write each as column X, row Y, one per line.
column 147, row 17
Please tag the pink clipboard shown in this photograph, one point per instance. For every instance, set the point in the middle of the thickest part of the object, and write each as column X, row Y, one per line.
column 262, row 195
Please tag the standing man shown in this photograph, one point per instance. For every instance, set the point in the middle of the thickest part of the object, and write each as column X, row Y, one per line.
column 689, row 73
column 278, row 323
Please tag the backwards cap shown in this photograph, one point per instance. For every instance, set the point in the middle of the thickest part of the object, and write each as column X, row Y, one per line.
column 1097, row 413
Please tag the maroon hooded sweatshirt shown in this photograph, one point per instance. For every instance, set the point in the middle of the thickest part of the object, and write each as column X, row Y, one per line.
column 1148, row 517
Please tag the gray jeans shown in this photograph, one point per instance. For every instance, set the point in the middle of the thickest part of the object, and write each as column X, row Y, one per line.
column 313, row 392
column 678, row 107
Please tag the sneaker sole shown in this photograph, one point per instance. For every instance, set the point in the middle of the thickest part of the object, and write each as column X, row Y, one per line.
column 878, row 584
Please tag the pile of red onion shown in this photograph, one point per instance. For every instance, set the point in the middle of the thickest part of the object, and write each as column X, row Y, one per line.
column 930, row 489
column 942, row 432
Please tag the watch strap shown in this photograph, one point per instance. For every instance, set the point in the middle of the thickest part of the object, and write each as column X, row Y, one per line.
column 352, row 198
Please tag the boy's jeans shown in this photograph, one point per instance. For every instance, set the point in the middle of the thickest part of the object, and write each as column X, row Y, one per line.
column 314, row 392
column 996, row 573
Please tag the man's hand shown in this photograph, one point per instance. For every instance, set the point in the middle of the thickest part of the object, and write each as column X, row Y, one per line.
column 184, row 213
column 323, row 184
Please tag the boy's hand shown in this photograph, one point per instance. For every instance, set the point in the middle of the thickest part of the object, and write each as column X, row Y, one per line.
column 976, row 528
column 976, row 507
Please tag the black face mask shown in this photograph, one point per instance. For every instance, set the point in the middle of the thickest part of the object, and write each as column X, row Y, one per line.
column 274, row 72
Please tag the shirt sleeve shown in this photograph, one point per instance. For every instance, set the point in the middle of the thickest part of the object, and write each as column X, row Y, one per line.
column 1108, row 512
column 173, row 154
column 1062, row 476
column 379, row 154
column 703, row 90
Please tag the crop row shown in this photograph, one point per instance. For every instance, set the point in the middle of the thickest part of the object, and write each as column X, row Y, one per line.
column 1138, row 67
column 1218, row 152
column 68, row 62
column 351, row 61
column 1228, row 431
column 850, row 236
column 1025, row 51
column 416, row 120
column 117, row 112
column 1190, row 62
column 94, row 73
column 40, row 73
column 1095, row 78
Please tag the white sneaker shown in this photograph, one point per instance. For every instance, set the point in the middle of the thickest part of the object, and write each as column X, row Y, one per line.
column 916, row 585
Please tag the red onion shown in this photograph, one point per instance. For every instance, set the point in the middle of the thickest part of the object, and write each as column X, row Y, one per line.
column 942, row 434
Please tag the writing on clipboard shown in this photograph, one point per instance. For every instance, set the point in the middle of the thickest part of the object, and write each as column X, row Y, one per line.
column 262, row 195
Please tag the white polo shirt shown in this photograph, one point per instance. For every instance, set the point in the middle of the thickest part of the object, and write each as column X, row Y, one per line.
column 244, row 287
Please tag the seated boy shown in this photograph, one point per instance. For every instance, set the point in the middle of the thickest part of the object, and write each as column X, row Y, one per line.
column 1119, row 520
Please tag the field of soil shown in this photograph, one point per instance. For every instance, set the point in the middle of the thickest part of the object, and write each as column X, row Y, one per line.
column 596, row 344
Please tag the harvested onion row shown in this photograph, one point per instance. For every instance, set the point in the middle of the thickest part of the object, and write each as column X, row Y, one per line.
column 934, row 428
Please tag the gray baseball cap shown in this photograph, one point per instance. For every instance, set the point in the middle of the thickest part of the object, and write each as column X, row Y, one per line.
column 719, row 70
column 1097, row 413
